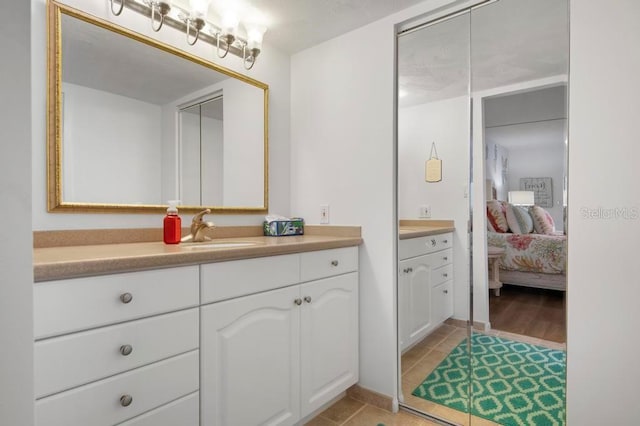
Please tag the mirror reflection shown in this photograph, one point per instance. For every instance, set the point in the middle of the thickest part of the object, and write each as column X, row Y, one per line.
column 128, row 136
column 490, row 84
column 433, row 282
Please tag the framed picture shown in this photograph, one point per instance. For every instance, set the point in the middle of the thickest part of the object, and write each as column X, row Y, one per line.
column 542, row 190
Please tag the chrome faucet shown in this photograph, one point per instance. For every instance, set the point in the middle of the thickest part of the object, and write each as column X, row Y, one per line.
column 199, row 228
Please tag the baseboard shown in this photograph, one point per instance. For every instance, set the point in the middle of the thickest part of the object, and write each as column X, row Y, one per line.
column 370, row 397
column 477, row 325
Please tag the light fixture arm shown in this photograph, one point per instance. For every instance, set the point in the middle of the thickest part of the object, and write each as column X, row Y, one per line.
column 197, row 24
column 192, row 23
column 218, row 47
column 118, row 11
column 251, row 58
column 154, row 8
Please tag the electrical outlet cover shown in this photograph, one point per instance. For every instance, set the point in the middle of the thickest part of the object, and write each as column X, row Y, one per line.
column 425, row 211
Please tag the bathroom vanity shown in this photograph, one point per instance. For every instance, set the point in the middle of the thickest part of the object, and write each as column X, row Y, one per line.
column 425, row 280
column 253, row 331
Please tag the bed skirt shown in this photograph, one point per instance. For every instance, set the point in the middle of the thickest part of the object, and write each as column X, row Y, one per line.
column 534, row 279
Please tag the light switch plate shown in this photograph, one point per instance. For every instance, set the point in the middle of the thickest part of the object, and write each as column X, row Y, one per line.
column 324, row 213
column 425, row 211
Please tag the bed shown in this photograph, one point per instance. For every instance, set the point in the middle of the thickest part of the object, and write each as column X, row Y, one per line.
column 532, row 260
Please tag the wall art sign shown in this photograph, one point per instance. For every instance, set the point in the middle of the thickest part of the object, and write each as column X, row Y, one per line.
column 542, row 190
column 433, row 166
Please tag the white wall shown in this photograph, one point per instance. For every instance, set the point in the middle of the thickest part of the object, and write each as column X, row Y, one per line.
column 543, row 161
column 243, row 171
column 111, row 147
column 603, row 372
column 16, row 277
column 342, row 133
column 272, row 68
column 445, row 123
column 342, row 151
column 494, row 167
column 213, row 160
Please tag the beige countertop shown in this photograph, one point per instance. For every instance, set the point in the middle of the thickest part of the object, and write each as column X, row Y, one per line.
column 423, row 228
column 51, row 263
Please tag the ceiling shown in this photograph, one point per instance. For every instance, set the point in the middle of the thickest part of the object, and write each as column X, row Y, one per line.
column 103, row 60
column 294, row 25
column 503, row 43
column 534, row 118
column 511, row 41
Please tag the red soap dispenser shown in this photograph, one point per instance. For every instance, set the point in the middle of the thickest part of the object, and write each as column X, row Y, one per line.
column 172, row 224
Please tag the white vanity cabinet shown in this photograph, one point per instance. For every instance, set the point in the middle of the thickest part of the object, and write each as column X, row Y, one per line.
column 265, row 340
column 276, row 356
column 425, row 297
column 114, row 347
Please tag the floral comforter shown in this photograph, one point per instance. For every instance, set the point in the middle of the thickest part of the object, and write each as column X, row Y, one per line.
column 531, row 252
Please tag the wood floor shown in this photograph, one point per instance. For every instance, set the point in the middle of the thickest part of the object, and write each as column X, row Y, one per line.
column 533, row 312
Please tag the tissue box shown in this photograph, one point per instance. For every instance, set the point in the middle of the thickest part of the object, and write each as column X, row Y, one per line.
column 280, row 228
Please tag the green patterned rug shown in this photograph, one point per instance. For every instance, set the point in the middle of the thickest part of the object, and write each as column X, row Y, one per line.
column 513, row 383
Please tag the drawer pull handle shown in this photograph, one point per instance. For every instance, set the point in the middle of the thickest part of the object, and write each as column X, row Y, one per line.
column 126, row 297
column 298, row 301
column 334, row 263
column 407, row 270
column 445, row 291
column 445, row 275
column 433, row 243
column 445, row 241
column 307, row 299
column 126, row 350
column 126, row 400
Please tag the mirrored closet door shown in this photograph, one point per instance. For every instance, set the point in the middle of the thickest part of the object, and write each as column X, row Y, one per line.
column 484, row 91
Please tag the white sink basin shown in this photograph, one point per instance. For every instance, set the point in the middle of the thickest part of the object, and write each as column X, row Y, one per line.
column 221, row 244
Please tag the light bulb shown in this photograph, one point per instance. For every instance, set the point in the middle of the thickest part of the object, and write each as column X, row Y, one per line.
column 255, row 34
column 229, row 23
column 199, row 8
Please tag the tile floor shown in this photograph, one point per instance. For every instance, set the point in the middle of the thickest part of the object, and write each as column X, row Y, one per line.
column 417, row 363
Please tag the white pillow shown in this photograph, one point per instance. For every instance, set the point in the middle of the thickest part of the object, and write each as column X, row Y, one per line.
column 542, row 220
column 519, row 219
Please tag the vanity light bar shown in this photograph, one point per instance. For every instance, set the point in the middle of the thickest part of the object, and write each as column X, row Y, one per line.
column 179, row 19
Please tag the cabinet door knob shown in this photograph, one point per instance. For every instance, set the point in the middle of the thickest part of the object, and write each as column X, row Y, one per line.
column 445, row 275
column 334, row 263
column 126, row 297
column 445, row 241
column 126, row 400
column 445, row 258
column 445, row 291
column 298, row 301
column 126, row 349
column 307, row 299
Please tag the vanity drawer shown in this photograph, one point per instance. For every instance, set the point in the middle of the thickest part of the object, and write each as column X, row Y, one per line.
column 442, row 274
column 413, row 247
column 326, row 263
column 64, row 362
column 66, row 306
column 100, row 403
column 437, row 260
column 182, row 412
column 226, row 280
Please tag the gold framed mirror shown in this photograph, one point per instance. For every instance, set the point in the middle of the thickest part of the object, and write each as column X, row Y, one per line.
column 133, row 122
